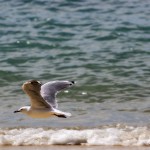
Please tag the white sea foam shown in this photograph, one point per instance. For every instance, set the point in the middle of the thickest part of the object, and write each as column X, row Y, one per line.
column 125, row 136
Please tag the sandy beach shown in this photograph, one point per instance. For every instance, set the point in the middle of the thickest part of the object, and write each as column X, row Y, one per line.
column 71, row 148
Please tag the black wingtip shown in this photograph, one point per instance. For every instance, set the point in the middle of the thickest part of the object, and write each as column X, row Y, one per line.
column 73, row 82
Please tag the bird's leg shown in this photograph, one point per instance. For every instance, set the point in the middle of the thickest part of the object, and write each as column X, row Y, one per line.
column 60, row 116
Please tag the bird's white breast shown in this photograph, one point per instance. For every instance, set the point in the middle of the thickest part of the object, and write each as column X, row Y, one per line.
column 40, row 113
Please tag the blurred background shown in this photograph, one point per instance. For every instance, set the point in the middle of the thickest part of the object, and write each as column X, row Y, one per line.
column 103, row 45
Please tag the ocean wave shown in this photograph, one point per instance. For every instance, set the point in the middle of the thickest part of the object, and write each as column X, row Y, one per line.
column 108, row 136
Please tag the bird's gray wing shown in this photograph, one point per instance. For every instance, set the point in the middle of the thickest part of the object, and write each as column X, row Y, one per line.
column 50, row 89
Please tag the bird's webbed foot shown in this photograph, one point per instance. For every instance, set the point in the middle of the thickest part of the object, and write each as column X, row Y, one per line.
column 60, row 116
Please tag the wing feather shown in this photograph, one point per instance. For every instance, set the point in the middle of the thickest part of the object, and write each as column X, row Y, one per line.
column 36, row 99
column 49, row 90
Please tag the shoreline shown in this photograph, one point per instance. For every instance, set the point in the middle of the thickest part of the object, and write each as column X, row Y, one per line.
column 73, row 147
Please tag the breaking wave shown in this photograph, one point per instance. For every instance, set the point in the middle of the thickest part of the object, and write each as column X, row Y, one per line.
column 116, row 136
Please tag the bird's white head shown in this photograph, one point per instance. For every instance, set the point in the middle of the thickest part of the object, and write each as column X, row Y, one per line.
column 24, row 110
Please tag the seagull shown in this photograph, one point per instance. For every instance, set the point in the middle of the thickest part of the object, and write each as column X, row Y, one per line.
column 43, row 98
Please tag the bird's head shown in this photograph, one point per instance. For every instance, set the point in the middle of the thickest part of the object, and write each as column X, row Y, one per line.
column 24, row 109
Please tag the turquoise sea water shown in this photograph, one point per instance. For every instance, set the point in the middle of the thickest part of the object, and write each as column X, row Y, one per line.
column 103, row 45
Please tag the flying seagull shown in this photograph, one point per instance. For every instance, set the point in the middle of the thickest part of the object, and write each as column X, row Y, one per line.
column 43, row 98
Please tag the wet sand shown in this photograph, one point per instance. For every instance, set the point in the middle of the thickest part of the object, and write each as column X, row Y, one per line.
column 72, row 148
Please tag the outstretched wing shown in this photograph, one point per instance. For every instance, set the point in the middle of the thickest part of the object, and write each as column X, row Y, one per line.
column 32, row 89
column 50, row 89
